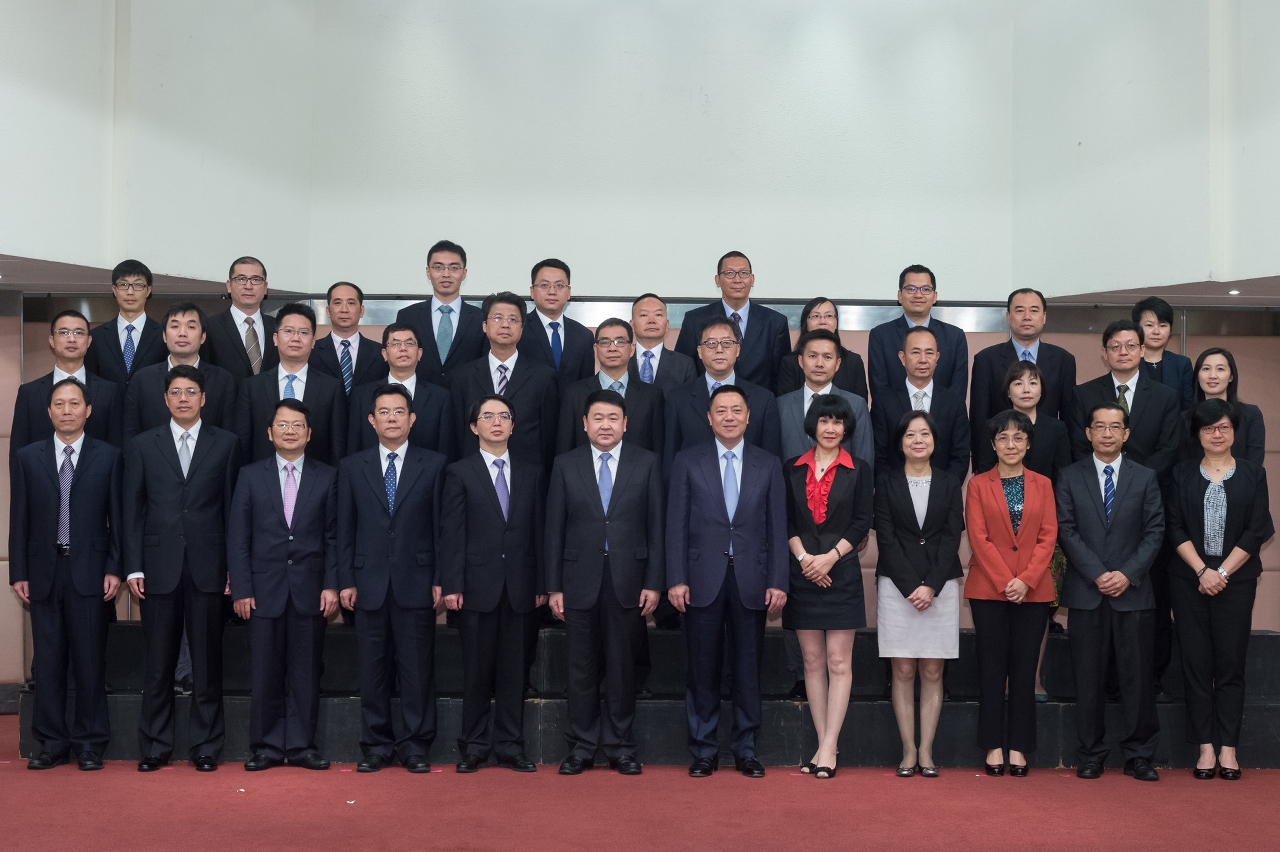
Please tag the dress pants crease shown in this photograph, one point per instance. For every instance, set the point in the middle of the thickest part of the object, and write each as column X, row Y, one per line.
column 286, row 662
column 1213, row 637
column 493, row 669
column 401, row 641
column 1008, row 643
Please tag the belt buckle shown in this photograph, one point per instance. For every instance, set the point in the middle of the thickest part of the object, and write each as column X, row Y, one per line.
column 64, row 550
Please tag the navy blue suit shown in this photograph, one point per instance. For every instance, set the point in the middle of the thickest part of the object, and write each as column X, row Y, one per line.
column 370, row 366
column 105, row 359
column 31, row 421
column 434, row 429
column 469, row 342
column 886, row 371
column 687, row 424
column 577, row 348
column 766, row 342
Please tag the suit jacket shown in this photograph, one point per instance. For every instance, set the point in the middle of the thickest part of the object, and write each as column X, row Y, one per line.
column 766, row 342
column 1248, row 524
column 322, row 394
column 674, row 369
column 986, row 399
column 169, row 519
column 851, row 377
column 1049, row 453
column 646, row 415
column 144, row 406
column 849, row 512
column 1153, row 421
column 224, row 347
column 861, row 444
column 887, row 372
column 483, row 553
column 1128, row 543
column 105, row 358
column 998, row 554
column 370, row 366
column 687, row 425
column 272, row 561
column 534, row 392
column 31, row 421
column 469, row 342
column 912, row 555
column 578, row 527
column 95, row 512
column 950, row 444
column 380, row 550
column 700, row 531
column 1250, row 442
column 434, row 429
column 577, row 352
column 1176, row 371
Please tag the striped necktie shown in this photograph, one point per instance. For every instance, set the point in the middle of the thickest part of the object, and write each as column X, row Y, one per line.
column 1108, row 490
column 344, row 363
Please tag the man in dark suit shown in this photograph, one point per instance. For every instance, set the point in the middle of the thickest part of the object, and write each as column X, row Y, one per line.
column 917, row 293
column 492, row 575
column 133, row 340
column 1155, row 317
column 64, row 561
column 292, row 378
column 687, row 405
column 433, row 424
column 1111, row 525
column 605, row 567
column 918, row 357
column 646, row 423
column 819, row 360
column 726, row 566
column 344, row 353
column 182, row 334
column 652, row 363
column 69, row 339
column 762, row 331
column 241, row 339
column 1026, row 312
column 388, row 513
column 282, row 547
column 550, row 337
column 178, row 482
column 447, row 327
column 531, row 386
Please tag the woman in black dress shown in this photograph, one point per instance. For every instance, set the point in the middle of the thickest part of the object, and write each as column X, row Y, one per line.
column 829, row 510
column 1050, row 449
column 852, row 375
column 1215, row 377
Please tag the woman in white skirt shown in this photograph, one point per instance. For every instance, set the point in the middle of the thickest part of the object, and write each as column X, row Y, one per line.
column 919, row 518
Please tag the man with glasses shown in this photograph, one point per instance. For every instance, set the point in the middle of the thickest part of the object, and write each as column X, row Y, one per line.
column 645, row 410
column 447, row 328
column 563, row 344
column 433, row 424
column 345, row 353
column 653, row 363
column 133, row 341
column 241, row 339
column 917, row 293
column 292, row 379
column 762, row 332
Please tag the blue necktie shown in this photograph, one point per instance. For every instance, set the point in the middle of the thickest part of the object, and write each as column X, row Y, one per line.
column 500, row 485
column 344, row 363
column 715, row 386
column 646, row 368
column 1108, row 490
column 288, row 388
column 556, row 346
column 617, row 388
column 1026, row 356
column 730, row 491
column 128, row 348
column 606, row 491
column 390, row 481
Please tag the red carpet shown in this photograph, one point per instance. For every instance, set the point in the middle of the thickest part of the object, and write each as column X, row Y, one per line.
column 118, row 808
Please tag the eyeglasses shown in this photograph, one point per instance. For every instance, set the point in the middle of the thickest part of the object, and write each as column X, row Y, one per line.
column 552, row 286
column 819, row 317
column 1117, row 348
column 499, row 319
column 490, row 416
column 130, row 287
column 294, row 332
column 731, row 274
column 713, row 345
column 179, row 393
column 387, row 412
column 926, row 290
column 438, row 268
column 613, row 343
column 64, row 333
column 255, row 280
column 1217, row 429
column 402, row 344
column 1108, row 428
column 290, row 426
column 1017, row 439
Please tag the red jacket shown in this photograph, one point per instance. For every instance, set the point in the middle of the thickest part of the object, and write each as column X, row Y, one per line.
column 999, row 556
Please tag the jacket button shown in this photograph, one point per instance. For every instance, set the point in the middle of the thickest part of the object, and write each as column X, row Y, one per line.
column 291, row 539
column 921, row 540
column 290, row 561
column 1015, row 547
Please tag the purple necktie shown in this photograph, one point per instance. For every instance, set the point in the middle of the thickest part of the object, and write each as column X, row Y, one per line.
column 290, row 494
column 500, row 484
column 65, row 472
column 502, row 384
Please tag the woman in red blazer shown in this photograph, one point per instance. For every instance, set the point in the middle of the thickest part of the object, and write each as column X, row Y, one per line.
column 1013, row 525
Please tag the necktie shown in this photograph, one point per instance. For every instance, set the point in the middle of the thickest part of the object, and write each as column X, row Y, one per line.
column 1108, row 489
column 252, row 347
column 288, row 387
column 716, row 385
column 290, row 494
column 605, row 481
column 1121, row 390
column 502, row 379
column 65, row 472
column 389, row 480
column 730, row 490
column 184, row 452
column 917, row 401
column 646, row 368
column 557, row 347
column 617, row 388
column 1026, row 356
column 444, row 334
column 737, row 321
column 128, row 348
column 500, row 485
column 344, row 364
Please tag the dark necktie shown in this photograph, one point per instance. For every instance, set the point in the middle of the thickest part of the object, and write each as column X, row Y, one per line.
column 502, row 380
column 65, row 472
column 557, row 347
column 444, row 334
column 344, row 363
column 252, row 347
column 1121, row 390
column 129, row 349
column 737, row 321
column 1108, row 490
column 500, row 485
column 389, row 480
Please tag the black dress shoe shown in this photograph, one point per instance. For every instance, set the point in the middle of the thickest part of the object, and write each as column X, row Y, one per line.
column 519, row 763
column 702, row 767
column 1229, row 774
column 418, row 764
column 995, row 770
column 644, row 692
column 89, row 761
column 625, row 764
column 310, row 760
column 1055, row 627
column 749, row 767
column 184, row 686
column 47, row 760
column 576, row 765
column 1089, row 771
column 1163, row 696
column 1017, row 771
column 798, row 692
column 259, row 762
column 373, row 763
column 151, row 764
column 1141, row 769
column 471, row 763
column 1204, row 774
column 205, row 763
column 531, row 692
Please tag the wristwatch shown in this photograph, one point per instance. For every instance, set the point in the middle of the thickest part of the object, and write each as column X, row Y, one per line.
column 1223, row 572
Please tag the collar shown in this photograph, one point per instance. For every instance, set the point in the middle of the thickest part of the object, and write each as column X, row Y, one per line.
column 240, row 316
column 546, row 320
column 74, row 445
column 490, row 458
column 614, row 454
column 297, row 463
column 510, row 362
column 300, row 376
column 655, row 351
column 178, row 430
column 741, row 312
column 1099, row 464
column 1034, row 349
column 912, row 390
column 843, row 459
column 81, row 375
column 122, row 323
column 911, row 324
column 383, row 452
column 436, row 303
column 729, row 380
column 354, row 339
column 411, row 383
column 605, row 381
column 738, row 450
column 169, row 363
column 1132, row 385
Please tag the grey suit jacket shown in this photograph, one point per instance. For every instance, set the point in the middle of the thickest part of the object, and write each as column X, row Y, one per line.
column 861, row 444
column 1128, row 544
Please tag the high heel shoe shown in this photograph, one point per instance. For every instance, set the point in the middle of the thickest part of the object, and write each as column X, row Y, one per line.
column 807, row 768
column 824, row 772
column 995, row 770
column 1018, row 771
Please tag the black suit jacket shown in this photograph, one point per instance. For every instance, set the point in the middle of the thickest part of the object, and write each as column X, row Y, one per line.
column 223, row 346
column 577, row 350
column 578, row 527
column 381, row 550
column 851, row 377
column 950, row 444
column 1176, row 372
column 322, row 394
column 95, row 512
column 370, row 366
column 434, row 429
column 986, row 400
column 144, row 406
column 646, row 411
column 482, row 553
column 31, row 421
column 687, row 425
column 766, row 343
column 887, row 372
column 534, row 392
column 168, row 519
column 105, row 358
column 674, row 369
column 1153, row 421
column 469, row 342
column 1248, row 525
column 911, row 555
column 1250, row 442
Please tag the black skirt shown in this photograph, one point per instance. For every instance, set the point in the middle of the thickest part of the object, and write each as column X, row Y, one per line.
column 840, row 606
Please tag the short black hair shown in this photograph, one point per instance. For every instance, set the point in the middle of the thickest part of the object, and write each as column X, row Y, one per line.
column 904, row 423
column 723, row 389
column 638, row 299
column 819, row 334
column 473, row 416
column 184, row 371
column 1162, row 309
column 1105, row 406
column 328, row 296
column 729, row 254
column 449, row 246
column 549, row 263
column 72, row 380
column 829, row 405
column 621, row 323
column 918, row 329
column 808, row 309
column 399, row 326
column 125, row 268
column 74, row 314
column 390, row 389
column 179, row 308
column 247, row 261
column 1210, row 412
column 716, row 321
column 606, row 396
column 1121, row 325
column 299, row 310
column 1026, row 291
column 1010, row 419
column 1233, row 391
column 505, row 297
column 917, row 269
column 1017, row 370
column 295, row 405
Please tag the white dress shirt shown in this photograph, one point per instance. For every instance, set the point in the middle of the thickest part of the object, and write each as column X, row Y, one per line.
column 546, row 325
column 1132, row 386
column 1099, row 464
column 809, row 394
column 354, row 340
column 171, row 365
column 493, row 367
column 58, row 447
column 297, row 471
column 456, row 304
column 728, row 380
column 489, row 459
column 1018, row 349
column 80, row 375
column 738, row 451
column 177, row 445
column 137, row 324
column 606, row 381
column 240, row 316
column 742, row 313
column 657, row 356
column 612, row 462
column 410, row 384
column 299, row 381
column 912, row 390
column 383, row 452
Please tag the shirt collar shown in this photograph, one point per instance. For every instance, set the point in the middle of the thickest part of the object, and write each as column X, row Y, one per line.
column 410, row 384
column 741, row 312
column 297, row 463
column 74, row 445
column 912, row 390
column 240, row 317
column 546, row 320
column 81, row 375
column 300, row 376
column 811, row 460
column 1034, row 349
column 729, row 380
column 122, row 323
column 613, row 454
column 1099, row 464
column 338, row 339
column 721, row 449
column 436, row 303
column 510, row 362
column 605, row 381
column 1132, row 384
column 490, row 458
column 657, row 352
column 178, row 430
column 169, row 363
column 911, row 324
column 383, row 452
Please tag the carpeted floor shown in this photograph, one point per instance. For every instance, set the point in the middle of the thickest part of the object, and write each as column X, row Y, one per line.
column 178, row 808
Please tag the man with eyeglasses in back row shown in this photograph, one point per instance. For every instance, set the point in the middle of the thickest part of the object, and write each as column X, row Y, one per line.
column 240, row 339
column 564, row 345
column 132, row 342
column 447, row 328
column 917, row 293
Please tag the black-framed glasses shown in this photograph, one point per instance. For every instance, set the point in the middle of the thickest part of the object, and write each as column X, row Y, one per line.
column 713, row 345
column 737, row 273
column 924, row 290
column 255, row 280
column 131, row 287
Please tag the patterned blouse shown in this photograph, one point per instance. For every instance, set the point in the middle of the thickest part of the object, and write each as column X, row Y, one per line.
column 1215, row 512
column 1015, row 497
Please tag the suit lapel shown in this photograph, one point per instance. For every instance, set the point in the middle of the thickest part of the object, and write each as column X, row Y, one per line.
column 228, row 324
column 200, row 451
column 1122, row 487
column 273, row 488
column 750, row 473
column 481, row 472
column 533, row 325
column 936, row 509
column 329, row 355
column 112, row 342
column 148, row 337
column 87, row 454
column 410, row 470
column 164, row 442
column 518, row 377
column 794, row 413
column 468, row 324
column 715, row 484
column 52, row 461
column 589, row 483
column 840, row 484
column 377, row 478
column 626, row 466
column 901, row 492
